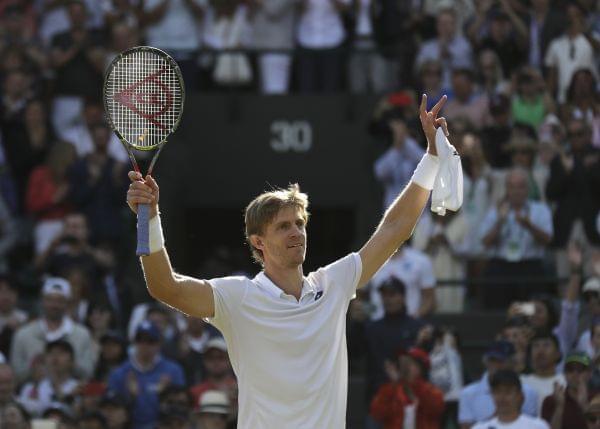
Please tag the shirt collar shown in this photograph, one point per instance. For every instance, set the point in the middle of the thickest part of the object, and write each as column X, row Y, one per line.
column 271, row 289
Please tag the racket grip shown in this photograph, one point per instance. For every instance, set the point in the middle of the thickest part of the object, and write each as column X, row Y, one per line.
column 143, row 235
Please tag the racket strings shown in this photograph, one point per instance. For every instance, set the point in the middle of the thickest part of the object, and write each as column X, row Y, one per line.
column 144, row 98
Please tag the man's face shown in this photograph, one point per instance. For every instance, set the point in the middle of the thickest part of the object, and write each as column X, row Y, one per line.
column 446, row 25
column 578, row 136
column 516, row 189
column 77, row 15
column 544, row 353
column 283, row 243
column 100, row 138
column 55, row 306
column 59, row 360
column 393, row 301
column 462, row 86
column 76, row 227
column 216, row 362
column 507, row 399
column 516, row 335
column 211, row 421
column 146, row 348
column 577, row 374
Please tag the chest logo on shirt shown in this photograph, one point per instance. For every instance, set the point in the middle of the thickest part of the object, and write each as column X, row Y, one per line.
column 318, row 295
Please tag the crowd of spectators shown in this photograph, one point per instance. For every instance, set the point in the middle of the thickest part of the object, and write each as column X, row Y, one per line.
column 524, row 110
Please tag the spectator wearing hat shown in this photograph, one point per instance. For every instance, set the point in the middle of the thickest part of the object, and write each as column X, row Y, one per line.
column 11, row 317
column 415, row 269
column 394, row 168
column 408, row 396
column 144, row 376
column 508, row 397
column 219, row 375
column 58, row 386
column 213, row 410
column 591, row 296
column 30, row 340
column 545, row 358
column 383, row 337
column 476, row 403
column 515, row 235
column 565, row 408
column 115, row 410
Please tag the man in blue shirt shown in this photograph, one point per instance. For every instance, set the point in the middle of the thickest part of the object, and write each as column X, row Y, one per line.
column 141, row 379
column 476, row 403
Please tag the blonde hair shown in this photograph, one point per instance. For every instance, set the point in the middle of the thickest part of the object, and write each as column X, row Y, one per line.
column 262, row 210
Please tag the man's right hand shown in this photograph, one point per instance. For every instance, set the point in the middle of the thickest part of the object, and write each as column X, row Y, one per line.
column 142, row 191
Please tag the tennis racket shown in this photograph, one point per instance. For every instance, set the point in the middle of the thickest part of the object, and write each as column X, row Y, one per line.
column 143, row 99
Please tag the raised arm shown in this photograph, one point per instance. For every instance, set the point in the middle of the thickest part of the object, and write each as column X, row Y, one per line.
column 401, row 217
column 186, row 294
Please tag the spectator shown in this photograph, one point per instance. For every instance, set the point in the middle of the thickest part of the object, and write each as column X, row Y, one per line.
column 141, row 379
column 79, row 133
column 564, row 409
column 115, row 411
column 515, row 235
column 464, row 101
column 507, row 391
column 191, row 348
column 497, row 134
column 506, row 39
column 394, row 168
column 443, row 239
column 531, row 103
column 583, row 102
column 385, row 336
column 11, row 317
column 78, row 57
column 213, row 410
column 491, row 77
column 173, row 27
column 574, row 179
column 219, row 374
column 476, row 402
column 320, row 35
column 449, row 46
column 59, row 384
column 408, row 399
column 47, row 193
column 95, row 181
column 30, row 340
column 568, row 53
column 518, row 331
column 430, row 75
column 164, row 319
column 227, row 27
column 545, row 357
column 415, row 270
column 272, row 23
column 591, row 295
column 113, row 353
column 446, row 365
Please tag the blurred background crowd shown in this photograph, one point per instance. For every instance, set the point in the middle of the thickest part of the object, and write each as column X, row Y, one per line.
column 78, row 348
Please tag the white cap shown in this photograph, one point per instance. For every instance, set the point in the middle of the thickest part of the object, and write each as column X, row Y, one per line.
column 216, row 343
column 591, row 285
column 213, row 401
column 56, row 285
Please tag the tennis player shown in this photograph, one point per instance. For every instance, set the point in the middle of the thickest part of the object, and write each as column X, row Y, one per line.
column 286, row 331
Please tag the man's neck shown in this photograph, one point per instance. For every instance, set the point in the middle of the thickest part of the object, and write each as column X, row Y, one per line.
column 545, row 372
column 52, row 324
column 288, row 280
column 508, row 417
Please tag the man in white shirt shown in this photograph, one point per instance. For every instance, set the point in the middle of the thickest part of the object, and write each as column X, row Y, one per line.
column 285, row 332
column 508, row 397
column 545, row 356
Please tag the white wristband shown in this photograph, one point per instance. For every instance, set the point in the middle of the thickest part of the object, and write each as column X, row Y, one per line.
column 426, row 171
column 156, row 239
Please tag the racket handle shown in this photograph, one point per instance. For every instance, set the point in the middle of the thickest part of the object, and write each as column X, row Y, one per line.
column 143, row 236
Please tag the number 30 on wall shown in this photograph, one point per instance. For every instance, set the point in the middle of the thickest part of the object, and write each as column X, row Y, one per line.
column 291, row 136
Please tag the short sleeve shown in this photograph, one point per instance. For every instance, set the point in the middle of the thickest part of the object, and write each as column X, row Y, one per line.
column 228, row 295
column 343, row 274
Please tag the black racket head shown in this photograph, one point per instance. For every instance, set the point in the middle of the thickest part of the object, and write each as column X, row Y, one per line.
column 143, row 95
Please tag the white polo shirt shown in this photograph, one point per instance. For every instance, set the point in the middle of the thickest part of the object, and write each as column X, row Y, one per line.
column 289, row 356
column 523, row 422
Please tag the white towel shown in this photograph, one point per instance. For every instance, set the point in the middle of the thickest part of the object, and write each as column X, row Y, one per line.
column 448, row 187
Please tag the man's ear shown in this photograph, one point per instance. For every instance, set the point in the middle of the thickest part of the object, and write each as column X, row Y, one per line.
column 256, row 241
